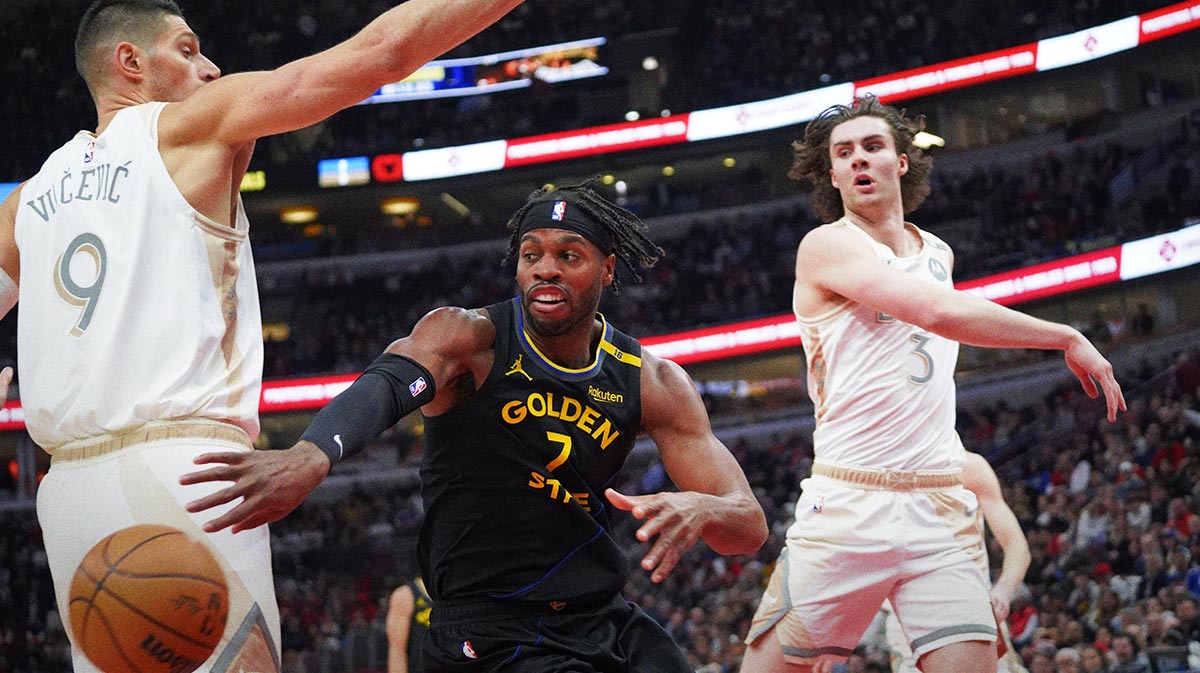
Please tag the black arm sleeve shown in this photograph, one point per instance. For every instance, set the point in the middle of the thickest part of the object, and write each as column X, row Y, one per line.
column 389, row 389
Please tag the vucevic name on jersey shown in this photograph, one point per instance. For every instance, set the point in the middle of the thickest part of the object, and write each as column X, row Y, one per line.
column 513, row 477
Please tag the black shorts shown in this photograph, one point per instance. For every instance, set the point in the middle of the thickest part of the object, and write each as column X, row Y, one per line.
column 617, row 637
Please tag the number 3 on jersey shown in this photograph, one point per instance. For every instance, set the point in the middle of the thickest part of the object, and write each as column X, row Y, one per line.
column 924, row 356
column 68, row 282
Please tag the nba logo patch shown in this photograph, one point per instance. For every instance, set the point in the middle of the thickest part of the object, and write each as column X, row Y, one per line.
column 90, row 154
column 560, row 210
column 468, row 650
column 416, row 387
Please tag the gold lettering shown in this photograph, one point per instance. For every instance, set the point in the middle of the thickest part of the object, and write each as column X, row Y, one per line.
column 513, row 412
column 568, row 412
column 550, row 410
column 536, row 480
column 556, row 486
column 540, row 409
column 586, row 420
column 607, row 431
column 582, row 500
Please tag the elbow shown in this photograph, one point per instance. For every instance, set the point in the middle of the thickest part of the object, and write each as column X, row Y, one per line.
column 939, row 317
column 746, row 536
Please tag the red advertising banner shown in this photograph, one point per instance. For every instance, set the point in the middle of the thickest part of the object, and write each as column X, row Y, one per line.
column 1050, row 278
column 1170, row 20
column 951, row 74
column 596, row 140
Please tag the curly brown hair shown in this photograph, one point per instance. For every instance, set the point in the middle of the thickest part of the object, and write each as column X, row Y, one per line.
column 812, row 163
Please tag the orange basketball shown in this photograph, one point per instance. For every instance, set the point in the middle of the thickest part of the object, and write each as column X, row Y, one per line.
column 148, row 599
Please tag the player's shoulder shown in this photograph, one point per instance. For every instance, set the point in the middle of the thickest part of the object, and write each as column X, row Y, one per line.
column 661, row 376
column 836, row 238
column 456, row 328
column 933, row 240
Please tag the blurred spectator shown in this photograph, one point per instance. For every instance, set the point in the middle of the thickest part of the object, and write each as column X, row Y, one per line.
column 1127, row 656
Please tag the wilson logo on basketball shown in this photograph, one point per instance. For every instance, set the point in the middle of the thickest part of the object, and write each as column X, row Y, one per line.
column 165, row 655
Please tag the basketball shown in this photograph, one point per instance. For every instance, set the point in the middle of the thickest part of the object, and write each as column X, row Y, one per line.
column 148, row 599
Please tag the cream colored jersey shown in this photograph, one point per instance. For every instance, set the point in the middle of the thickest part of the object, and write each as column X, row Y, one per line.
column 883, row 390
column 134, row 307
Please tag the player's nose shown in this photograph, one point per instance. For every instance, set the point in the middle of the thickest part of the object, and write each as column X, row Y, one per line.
column 208, row 70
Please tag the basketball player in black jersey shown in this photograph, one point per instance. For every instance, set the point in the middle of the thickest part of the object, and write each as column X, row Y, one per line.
column 531, row 406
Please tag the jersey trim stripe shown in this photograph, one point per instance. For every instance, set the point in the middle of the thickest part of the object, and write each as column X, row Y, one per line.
column 606, row 348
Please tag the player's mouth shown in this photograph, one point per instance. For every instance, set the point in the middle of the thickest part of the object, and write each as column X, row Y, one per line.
column 547, row 298
column 864, row 183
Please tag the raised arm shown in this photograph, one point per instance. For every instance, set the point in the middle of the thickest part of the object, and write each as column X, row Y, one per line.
column 240, row 108
column 446, row 349
column 980, row 479
column 836, row 262
column 714, row 501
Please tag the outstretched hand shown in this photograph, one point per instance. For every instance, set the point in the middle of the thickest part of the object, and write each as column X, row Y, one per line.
column 1090, row 367
column 270, row 483
column 676, row 518
column 6, row 376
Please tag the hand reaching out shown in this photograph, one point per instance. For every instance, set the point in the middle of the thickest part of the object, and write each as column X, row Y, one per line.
column 1090, row 367
column 676, row 518
column 270, row 483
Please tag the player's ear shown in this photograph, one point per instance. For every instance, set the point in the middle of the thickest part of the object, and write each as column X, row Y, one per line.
column 130, row 61
column 610, row 270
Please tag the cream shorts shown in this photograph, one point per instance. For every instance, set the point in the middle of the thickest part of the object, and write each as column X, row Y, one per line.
column 88, row 494
column 851, row 547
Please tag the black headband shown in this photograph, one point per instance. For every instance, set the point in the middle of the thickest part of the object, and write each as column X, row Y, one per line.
column 564, row 214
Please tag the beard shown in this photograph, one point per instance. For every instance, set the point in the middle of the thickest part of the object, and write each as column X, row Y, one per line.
column 583, row 312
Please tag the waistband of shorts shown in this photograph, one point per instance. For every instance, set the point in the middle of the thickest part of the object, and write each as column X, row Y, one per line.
column 192, row 428
column 450, row 611
column 884, row 479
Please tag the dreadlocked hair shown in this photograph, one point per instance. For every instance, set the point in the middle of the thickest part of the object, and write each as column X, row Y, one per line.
column 630, row 244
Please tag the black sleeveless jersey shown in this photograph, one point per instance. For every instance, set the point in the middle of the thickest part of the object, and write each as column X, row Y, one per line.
column 513, row 477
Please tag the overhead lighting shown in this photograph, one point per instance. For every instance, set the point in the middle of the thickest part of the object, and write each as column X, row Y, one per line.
column 298, row 214
column 608, row 179
column 925, row 140
column 400, row 205
column 632, row 116
column 668, row 171
column 649, row 63
column 729, row 162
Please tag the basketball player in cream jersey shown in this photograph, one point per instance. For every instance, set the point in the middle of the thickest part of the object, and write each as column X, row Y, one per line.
column 885, row 514
column 139, row 337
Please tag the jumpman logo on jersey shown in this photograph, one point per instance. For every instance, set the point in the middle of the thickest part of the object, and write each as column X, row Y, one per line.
column 518, row 369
